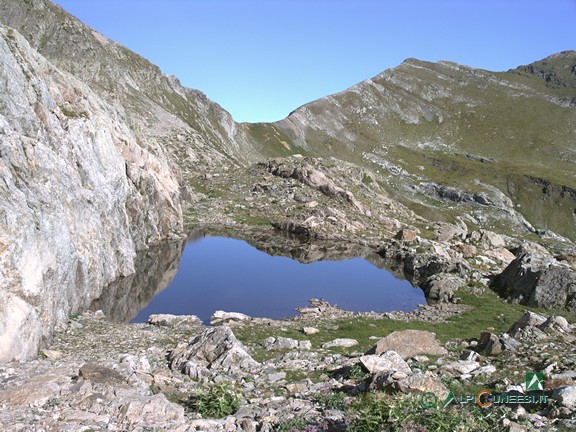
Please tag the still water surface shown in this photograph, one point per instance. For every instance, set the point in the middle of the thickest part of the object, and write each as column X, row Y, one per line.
column 227, row 274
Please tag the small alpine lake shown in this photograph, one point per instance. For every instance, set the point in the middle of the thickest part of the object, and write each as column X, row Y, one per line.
column 219, row 273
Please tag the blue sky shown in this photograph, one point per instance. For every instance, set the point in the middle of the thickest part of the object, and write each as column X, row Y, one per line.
column 260, row 59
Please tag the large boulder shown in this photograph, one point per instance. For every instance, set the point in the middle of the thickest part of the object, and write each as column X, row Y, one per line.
column 215, row 349
column 538, row 281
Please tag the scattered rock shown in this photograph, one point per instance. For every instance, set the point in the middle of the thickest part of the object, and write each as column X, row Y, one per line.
column 99, row 314
column 150, row 412
column 285, row 343
column 446, row 232
column 556, row 323
column 469, row 355
column 501, row 254
column 491, row 240
column 409, row 343
column 456, row 369
column 51, row 354
column 442, row 286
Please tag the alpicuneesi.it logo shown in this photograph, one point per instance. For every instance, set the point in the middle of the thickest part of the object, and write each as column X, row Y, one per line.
column 485, row 398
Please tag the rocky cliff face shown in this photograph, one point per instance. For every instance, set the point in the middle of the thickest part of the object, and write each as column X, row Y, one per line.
column 99, row 152
column 79, row 196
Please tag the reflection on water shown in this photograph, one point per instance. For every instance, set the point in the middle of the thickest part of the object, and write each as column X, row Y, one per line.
column 155, row 269
column 230, row 274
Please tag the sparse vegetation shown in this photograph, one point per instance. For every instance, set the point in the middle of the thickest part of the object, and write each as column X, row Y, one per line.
column 216, row 401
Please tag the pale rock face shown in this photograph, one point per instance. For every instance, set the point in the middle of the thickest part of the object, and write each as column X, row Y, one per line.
column 78, row 196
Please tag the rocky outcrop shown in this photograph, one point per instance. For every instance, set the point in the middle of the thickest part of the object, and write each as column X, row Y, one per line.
column 538, row 281
column 215, row 349
column 79, row 197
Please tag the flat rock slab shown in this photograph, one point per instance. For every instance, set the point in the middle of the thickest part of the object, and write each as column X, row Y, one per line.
column 410, row 343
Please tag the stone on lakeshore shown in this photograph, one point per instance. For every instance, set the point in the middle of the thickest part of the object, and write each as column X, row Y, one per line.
column 183, row 322
column 538, row 281
column 345, row 343
column 228, row 318
column 409, row 343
